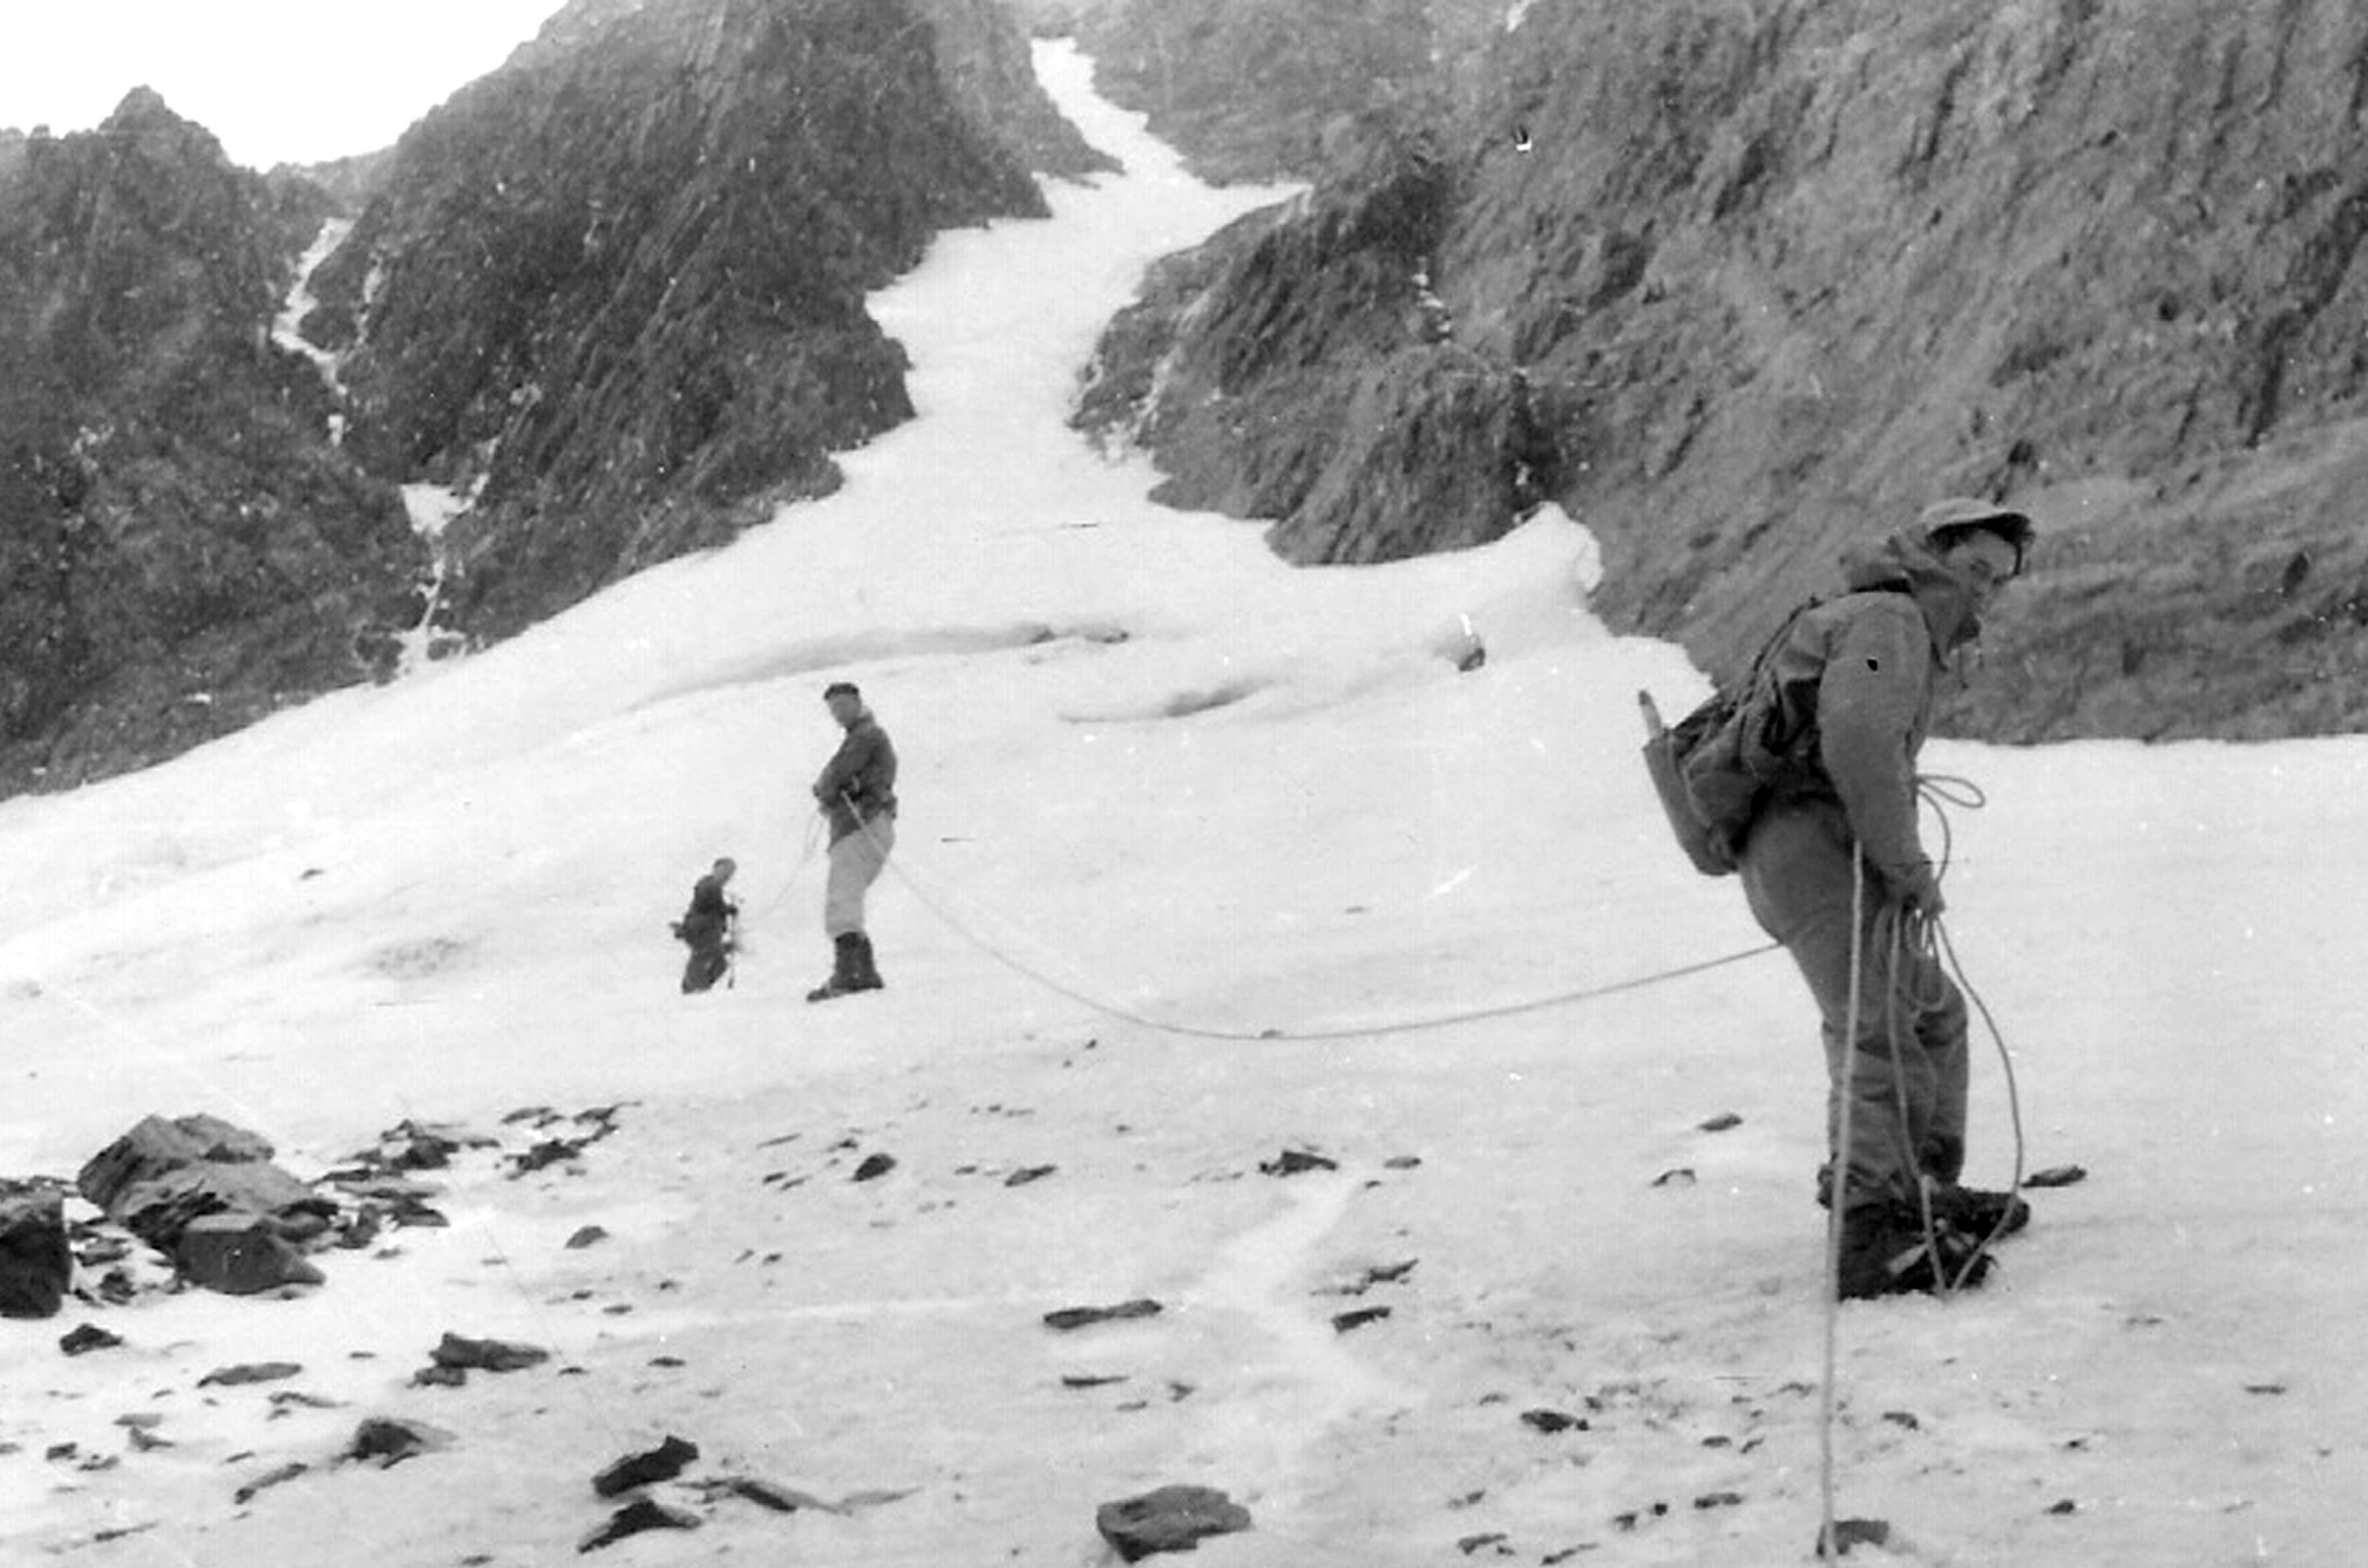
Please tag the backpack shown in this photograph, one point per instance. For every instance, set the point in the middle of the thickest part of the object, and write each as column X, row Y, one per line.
column 1715, row 767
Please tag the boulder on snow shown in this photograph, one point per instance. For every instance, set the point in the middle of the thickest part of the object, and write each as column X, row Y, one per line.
column 662, row 1463
column 1173, row 1518
column 386, row 1441
column 640, row 1515
column 36, row 1263
column 1067, row 1318
column 157, row 1146
column 240, row 1254
column 458, row 1353
column 163, row 1174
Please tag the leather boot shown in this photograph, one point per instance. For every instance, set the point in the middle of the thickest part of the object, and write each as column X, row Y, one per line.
column 844, row 976
column 866, row 973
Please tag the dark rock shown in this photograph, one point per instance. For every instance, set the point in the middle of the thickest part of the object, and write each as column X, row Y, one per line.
column 585, row 1236
column 387, row 1441
column 35, row 1262
column 1297, row 1161
column 1173, row 1518
column 665, row 1461
column 1027, row 1174
column 249, row 1372
column 1344, row 1322
column 549, row 1151
column 156, row 1145
column 163, row 1177
column 1377, row 1274
column 780, row 1499
column 280, row 1476
column 633, row 1518
column 1847, row 1533
column 486, row 1355
column 2057, row 1175
column 86, row 1338
column 875, row 1166
column 1723, row 1121
column 239, row 1254
column 1546, row 1420
column 1068, row 1318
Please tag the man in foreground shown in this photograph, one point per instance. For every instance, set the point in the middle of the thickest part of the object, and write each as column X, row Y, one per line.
column 1834, row 869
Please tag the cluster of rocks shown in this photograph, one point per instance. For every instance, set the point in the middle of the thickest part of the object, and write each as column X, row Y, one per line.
column 638, row 1478
column 195, row 1200
column 204, row 1195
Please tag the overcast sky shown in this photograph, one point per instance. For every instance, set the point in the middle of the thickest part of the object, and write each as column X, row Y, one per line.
column 279, row 81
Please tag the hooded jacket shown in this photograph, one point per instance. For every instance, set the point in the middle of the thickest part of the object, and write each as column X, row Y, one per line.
column 1853, row 687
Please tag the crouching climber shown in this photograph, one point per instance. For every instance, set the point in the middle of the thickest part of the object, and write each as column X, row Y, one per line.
column 710, row 928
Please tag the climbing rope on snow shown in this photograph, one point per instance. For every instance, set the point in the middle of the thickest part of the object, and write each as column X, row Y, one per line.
column 1404, row 1025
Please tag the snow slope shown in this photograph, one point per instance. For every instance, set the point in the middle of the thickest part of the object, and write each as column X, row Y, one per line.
column 1187, row 834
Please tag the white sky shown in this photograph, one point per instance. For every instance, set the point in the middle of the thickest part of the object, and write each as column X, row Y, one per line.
column 279, row 81
column 446, row 898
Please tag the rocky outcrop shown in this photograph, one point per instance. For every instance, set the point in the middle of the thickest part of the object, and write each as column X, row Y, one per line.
column 1748, row 287
column 619, row 282
column 1302, row 367
column 182, row 549
column 205, row 1194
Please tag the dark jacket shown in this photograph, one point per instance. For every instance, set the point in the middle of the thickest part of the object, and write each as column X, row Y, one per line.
column 860, row 782
column 1853, row 682
column 708, row 921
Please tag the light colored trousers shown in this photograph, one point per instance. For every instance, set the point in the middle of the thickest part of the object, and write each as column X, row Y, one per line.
column 855, row 862
column 1905, row 1076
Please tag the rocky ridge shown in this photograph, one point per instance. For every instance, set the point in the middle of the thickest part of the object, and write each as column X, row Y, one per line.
column 612, row 293
column 182, row 550
column 1739, row 289
column 617, row 287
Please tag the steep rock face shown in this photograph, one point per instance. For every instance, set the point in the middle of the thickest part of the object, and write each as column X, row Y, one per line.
column 181, row 547
column 1768, row 279
column 1301, row 367
column 621, row 281
column 1248, row 89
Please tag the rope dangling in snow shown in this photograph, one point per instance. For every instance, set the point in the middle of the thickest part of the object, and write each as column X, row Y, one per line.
column 1930, row 937
column 1826, row 1545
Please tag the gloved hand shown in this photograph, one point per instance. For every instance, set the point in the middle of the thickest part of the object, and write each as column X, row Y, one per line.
column 1915, row 887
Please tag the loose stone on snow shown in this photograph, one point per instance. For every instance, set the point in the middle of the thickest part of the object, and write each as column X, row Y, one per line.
column 1172, row 1518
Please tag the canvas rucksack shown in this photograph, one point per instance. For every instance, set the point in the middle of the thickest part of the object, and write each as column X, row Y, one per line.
column 1713, row 769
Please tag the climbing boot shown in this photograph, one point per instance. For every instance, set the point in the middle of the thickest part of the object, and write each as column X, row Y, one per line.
column 867, row 972
column 1887, row 1251
column 845, row 977
column 1979, row 1213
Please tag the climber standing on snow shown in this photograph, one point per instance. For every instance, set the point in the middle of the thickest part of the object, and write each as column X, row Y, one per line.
column 857, row 793
column 1851, row 680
